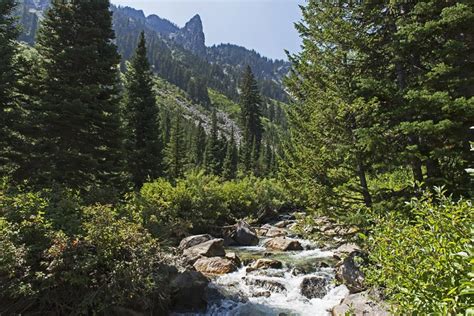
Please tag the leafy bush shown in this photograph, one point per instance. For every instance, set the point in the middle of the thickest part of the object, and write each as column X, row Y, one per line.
column 60, row 257
column 199, row 202
column 115, row 263
column 424, row 262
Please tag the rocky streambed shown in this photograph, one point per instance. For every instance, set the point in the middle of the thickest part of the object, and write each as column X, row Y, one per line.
column 269, row 270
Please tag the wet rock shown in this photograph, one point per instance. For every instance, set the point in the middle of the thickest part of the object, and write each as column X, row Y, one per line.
column 271, row 285
column 262, row 293
column 360, row 304
column 193, row 241
column 268, row 273
column 233, row 257
column 265, row 264
column 298, row 271
column 348, row 272
column 215, row 265
column 275, row 232
column 314, row 287
column 283, row 244
column 345, row 249
column 211, row 248
column 188, row 290
column 245, row 235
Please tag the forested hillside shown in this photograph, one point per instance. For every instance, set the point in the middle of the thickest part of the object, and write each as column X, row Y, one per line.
column 143, row 173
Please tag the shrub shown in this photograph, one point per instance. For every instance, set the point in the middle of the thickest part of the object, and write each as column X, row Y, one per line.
column 424, row 262
column 115, row 263
column 90, row 260
column 199, row 202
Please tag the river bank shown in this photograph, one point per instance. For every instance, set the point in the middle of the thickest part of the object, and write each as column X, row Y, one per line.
column 273, row 271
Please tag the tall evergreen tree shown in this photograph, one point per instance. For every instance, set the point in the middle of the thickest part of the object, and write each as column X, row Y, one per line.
column 81, row 128
column 250, row 102
column 199, row 144
column 144, row 137
column 431, row 52
column 211, row 155
column 8, row 112
column 332, row 125
column 231, row 160
column 175, row 152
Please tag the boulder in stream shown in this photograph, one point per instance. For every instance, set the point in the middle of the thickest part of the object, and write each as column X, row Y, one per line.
column 265, row 283
column 245, row 235
column 314, row 287
column 188, row 290
column 348, row 272
column 283, row 244
column 345, row 249
column 211, row 248
column 193, row 241
column 233, row 256
column 264, row 264
column 215, row 265
column 360, row 304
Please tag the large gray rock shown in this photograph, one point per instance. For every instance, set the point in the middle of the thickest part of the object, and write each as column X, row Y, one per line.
column 193, row 241
column 283, row 244
column 245, row 235
column 360, row 304
column 211, row 248
column 188, row 290
column 215, row 265
column 348, row 272
column 314, row 287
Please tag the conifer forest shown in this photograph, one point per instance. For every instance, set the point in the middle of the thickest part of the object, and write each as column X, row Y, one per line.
column 144, row 172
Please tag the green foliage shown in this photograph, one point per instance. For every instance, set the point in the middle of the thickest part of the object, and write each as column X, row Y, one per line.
column 9, row 115
column 212, row 161
column 63, row 257
column 250, row 116
column 175, row 151
column 79, row 131
column 142, row 117
column 231, row 160
column 424, row 260
column 199, row 202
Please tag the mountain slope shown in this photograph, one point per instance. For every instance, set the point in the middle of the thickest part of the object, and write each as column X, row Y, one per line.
column 179, row 55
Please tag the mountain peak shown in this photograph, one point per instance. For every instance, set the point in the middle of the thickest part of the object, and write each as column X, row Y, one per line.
column 194, row 25
column 191, row 36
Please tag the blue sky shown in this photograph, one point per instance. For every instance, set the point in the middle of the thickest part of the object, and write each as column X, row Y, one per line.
column 263, row 25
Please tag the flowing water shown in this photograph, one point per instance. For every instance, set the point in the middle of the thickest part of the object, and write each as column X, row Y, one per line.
column 276, row 291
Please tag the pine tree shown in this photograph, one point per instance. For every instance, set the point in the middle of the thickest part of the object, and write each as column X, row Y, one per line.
column 8, row 112
column 144, row 137
column 231, row 159
column 175, row 152
column 199, row 144
column 332, row 125
column 211, row 155
column 251, row 118
column 81, row 135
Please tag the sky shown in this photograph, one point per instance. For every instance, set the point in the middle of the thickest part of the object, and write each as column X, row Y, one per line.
column 264, row 25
